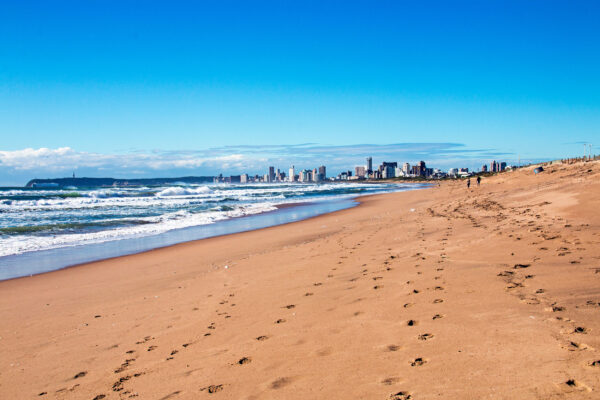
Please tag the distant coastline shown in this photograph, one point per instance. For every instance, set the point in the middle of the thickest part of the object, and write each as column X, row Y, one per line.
column 107, row 182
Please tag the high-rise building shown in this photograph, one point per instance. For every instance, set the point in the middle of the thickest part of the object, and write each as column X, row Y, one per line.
column 360, row 171
column 420, row 169
column 323, row 172
column 292, row 175
column 271, row 175
column 502, row 166
column 406, row 168
column 388, row 169
column 369, row 164
column 305, row 175
column 244, row 178
column 484, row 168
column 495, row 166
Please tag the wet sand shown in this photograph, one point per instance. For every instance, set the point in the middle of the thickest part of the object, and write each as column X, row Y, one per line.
column 492, row 292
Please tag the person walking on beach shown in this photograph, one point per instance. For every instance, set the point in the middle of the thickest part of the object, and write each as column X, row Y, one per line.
column 468, row 183
column 478, row 180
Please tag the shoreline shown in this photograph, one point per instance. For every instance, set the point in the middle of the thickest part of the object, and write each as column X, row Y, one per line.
column 350, row 203
column 487, row 292
column 156, row 239
column 52, row 259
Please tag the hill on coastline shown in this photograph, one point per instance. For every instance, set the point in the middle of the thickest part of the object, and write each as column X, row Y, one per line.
column 103, row 182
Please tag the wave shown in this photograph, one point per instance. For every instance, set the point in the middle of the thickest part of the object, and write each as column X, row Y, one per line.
column 11, row 244
column 184, row 191
column 71, row 226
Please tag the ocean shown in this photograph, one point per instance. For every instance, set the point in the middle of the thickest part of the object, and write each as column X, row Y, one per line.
column 46, row 229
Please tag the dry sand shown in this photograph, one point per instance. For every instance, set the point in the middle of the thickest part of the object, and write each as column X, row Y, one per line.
column 488, row 293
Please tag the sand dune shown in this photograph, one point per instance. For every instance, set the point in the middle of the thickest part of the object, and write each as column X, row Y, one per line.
column 492, row 292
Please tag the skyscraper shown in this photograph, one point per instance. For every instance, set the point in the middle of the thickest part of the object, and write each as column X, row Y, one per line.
column 359, row 171
column 322, row 172
column 271, row 175
column 369, row 164
column 406, row 168
column 292, row 175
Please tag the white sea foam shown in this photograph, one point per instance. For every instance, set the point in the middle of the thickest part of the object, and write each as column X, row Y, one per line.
column 183, row 191
column 158, row 224
column 161, row 208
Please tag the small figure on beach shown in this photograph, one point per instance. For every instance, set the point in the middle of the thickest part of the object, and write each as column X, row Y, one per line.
column 468, row 183
column 478, row 180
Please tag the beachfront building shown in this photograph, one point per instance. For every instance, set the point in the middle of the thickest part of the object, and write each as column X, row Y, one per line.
column 388, row 170
column 305, row 175
column 345, row 175
column 323, row 172
column 406, row 169
column 360, row 172
column 484, row 168
column 419, row 169
column 270, row 176
column 496, row 166
column 244, row 178
column 369, row 165
column 292, row 174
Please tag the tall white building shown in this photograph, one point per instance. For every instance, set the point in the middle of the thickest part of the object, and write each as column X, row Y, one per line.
column 292, row 172
column 406, row 169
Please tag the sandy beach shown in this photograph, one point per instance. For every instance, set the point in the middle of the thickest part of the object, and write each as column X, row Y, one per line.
column 444, row 293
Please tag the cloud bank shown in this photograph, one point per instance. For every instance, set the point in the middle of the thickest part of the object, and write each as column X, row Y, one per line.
column 18, row 166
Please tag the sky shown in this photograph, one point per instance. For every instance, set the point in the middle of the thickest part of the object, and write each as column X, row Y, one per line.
column 177, row 88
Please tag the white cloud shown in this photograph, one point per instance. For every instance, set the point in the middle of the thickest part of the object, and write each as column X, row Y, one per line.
column 65, row 158
column 19, row 166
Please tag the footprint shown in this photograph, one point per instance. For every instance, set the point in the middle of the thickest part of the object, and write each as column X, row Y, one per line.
column 411, row 322
column 289, row 306
column 437, row 301
column 308, row 294
column 261, row 338
column 407, row 305
column 390, row 381
column 520, row 266
column 425, row 336
column 580, row 329
column 400, row 396
column 437, row 316
column 213, row 388
column 377, row 287
column 280, row 321
column 574, row 346
column 573, row 384
column 280, row 382
column 392, row 347
column 80, row 374
column 417, row 362
column 244, row 360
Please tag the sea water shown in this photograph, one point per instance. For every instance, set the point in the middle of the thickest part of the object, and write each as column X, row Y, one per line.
column 47, row 229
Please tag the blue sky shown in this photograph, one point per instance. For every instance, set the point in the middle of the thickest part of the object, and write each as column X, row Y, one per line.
column 134, row 88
